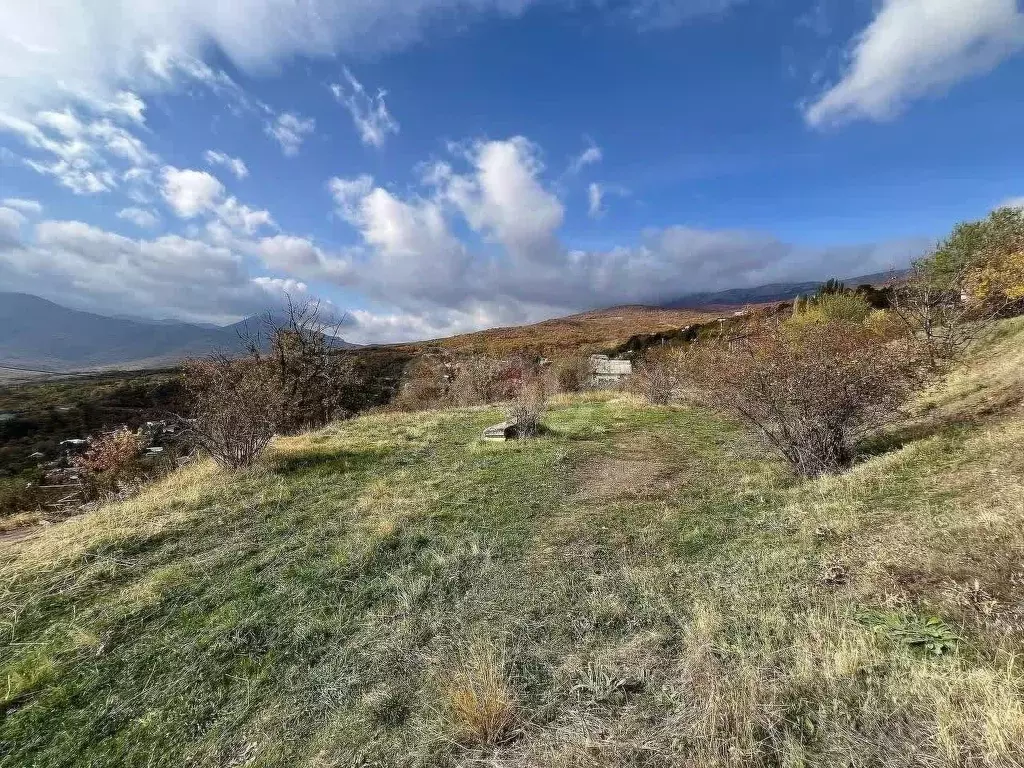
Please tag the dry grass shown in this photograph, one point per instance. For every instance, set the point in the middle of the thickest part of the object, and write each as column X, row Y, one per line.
column 479, row 704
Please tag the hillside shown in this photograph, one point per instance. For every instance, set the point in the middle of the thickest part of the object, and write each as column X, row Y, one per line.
column 640, row 587
column 39, row 334
column 586, row 332
column 774, row 292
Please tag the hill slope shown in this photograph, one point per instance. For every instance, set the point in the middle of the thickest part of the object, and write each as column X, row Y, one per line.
column 642, row 586
column 585, row 332
column 40, row 334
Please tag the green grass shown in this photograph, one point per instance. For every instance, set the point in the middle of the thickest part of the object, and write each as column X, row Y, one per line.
column 639, row 587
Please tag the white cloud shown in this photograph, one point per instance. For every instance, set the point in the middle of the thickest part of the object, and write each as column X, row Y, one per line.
column 369, row 113
column 10, row 227
column 918, row 47
column 348, row 194
column 595, row 199
column 234, row 164
column 102, row 47
column 297, row 255
column 33, row 207
column 189, row 192
column 83, row 265
column 143, row 218
column 411, row 258
column 503, row 198
column 80, row 153
column 1013, row 202
column 241, row 218
column 591, row 155
column 290, row 130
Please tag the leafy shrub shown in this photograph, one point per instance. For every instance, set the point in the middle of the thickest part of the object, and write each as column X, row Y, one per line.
column 843, row 307
column 930, row 634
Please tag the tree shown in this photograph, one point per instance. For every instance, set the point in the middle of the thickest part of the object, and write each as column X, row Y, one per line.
column 973, row 245
column 830, row 287
column 298, row 351
column 936, row 307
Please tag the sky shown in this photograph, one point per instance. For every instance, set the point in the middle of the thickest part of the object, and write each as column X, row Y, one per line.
column 430, row 167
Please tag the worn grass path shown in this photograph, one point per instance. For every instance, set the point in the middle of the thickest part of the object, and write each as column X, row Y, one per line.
column 640, row 587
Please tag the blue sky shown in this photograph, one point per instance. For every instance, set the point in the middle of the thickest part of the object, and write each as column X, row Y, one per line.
column 435, row 166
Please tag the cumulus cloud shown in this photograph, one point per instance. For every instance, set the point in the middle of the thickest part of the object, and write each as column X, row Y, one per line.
column 913, row 48
column 189, row 192
column 10, row 227
column 502, row 198
column 516, row 268
column 369, row 113
column 144, row 218
column 77, row 263
column 289, row 130
column 234, row 164
column 32, row 207
column 298, row 255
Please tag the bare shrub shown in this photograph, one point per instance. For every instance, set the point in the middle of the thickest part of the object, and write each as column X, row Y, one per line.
column 235, row 404
column 812, row 391
column 113, row 452
column 426, row 385
column 572, row 374
column 479, row 703
column 478, row 380
column 297, row 352
column 654, row 378
column 528, row 407
column 935, row 307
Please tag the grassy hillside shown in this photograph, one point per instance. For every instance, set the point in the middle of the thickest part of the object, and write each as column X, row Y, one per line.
column 640, row 587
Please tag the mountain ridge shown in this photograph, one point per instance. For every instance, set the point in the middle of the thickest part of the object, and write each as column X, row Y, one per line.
column 43, row 335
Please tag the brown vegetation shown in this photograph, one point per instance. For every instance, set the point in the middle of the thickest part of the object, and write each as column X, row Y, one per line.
column 111, row 452
column 811, row 390
column 235, row 407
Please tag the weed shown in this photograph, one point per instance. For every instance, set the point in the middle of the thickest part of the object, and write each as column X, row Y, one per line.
column 930, row 633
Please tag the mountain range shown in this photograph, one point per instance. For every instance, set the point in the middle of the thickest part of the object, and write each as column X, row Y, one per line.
column 762, row 294
column 43, row 336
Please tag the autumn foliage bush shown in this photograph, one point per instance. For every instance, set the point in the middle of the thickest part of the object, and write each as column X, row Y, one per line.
column 113, row 452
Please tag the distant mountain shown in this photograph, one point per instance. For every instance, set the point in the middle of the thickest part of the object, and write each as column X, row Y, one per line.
column 772, row 292
column 39, row 334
